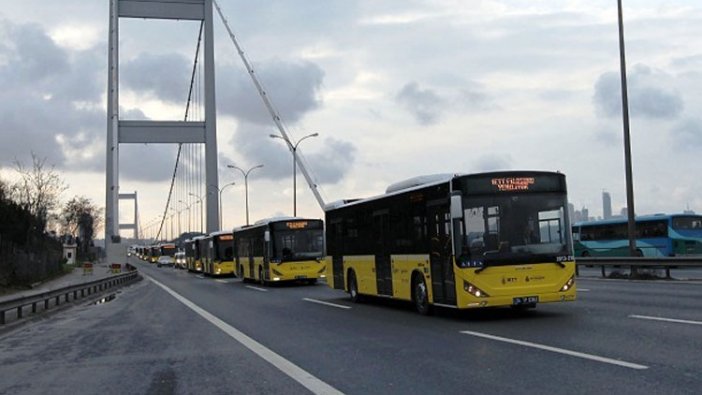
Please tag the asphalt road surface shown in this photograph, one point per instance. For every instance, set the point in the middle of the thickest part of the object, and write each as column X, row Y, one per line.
column 176, row 332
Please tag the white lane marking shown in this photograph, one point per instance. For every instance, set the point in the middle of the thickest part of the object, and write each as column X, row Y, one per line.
column 678, row 321
column 200, row 276
column 341, row 306
column 257, row 288
column 558, row 350
column 295, row 372
column 582, row 290
column 222, row 281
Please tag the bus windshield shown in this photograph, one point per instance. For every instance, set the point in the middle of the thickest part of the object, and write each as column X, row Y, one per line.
column 296, row 245
column 513, row 229
column 225, row 249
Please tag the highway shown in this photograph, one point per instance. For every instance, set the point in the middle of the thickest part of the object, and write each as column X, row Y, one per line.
column 176, row 332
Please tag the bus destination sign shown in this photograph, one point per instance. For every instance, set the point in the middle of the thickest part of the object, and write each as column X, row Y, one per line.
column 505, row 184
column 296, row 225
column 226, row 237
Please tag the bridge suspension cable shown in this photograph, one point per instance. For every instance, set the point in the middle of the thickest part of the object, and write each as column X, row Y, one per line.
column 193, row 91
column 271, row 110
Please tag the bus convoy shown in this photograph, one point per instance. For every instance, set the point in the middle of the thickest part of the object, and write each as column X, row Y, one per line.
column 458, row 241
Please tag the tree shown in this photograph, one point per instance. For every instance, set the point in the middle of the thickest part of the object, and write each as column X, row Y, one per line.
column 81, row 218
column 38, row 189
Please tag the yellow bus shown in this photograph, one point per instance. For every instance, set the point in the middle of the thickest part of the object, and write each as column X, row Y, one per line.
column 280, row 249
column 218, row 253
column 193, row 252
column 154, row 253
column 458, row 241
column 189, row 254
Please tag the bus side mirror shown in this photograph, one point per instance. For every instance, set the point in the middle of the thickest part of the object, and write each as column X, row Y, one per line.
column 267, row 236
column 456, row 206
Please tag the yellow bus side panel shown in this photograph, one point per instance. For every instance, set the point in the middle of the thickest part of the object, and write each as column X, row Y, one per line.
column 364, row 267
column 402, row 268
column 258, row 265
column 504, row 283
column 244, row 264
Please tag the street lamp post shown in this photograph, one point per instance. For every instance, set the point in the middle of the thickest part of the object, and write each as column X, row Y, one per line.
column 246, row 184
column 631, row 224
column 199, row 200
column 221, row 225
column 172, row 215
column 187, row 207
column 293, row 148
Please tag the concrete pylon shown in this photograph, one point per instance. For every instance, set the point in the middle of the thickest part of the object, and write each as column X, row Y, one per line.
column 130, row 132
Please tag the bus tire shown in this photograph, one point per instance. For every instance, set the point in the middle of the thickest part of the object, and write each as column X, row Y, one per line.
column 260, row 276
column 639, row 253
column 353, row 288
column 585, row 254
column 420, row 295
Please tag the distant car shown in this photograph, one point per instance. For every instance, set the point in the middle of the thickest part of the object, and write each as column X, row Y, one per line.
column 180, row 262
column 164, row 260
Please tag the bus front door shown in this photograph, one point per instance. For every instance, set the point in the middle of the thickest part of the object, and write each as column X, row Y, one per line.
column 442, row 277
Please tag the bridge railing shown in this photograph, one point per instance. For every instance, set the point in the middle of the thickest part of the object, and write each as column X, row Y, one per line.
column 66, row 294
column 665, row 263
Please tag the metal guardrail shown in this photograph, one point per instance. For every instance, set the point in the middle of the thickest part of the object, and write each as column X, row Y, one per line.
column 665, row 263
column 85, row 289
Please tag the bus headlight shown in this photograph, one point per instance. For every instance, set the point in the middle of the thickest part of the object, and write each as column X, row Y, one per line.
column 568, row 284
column 473, row 290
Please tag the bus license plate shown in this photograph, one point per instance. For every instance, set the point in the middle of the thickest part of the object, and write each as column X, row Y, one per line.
column 300, row 277
column 525, row 300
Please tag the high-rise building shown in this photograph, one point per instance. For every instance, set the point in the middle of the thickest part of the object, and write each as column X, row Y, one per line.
column 606, row 205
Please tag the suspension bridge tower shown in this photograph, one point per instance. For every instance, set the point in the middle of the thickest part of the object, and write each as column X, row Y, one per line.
column 174, row 132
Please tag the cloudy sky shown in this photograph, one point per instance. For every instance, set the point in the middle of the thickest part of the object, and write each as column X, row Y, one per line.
column 394, row 88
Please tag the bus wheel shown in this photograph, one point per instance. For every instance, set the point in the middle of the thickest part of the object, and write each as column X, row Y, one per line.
column 353, row 288
column 260, row 276
column 244, row 279
column 586, row 254
column 420, row 296
column 639, row 253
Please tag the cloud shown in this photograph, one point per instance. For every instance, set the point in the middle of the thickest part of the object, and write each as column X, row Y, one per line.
column 331, row 164
column 293, row 87
column 254, row 146
column 424, row 104
column 650, row 94
column 165, row 76
column 493, row 162
column 687, row 134
column 48, row 95
column 147, row 162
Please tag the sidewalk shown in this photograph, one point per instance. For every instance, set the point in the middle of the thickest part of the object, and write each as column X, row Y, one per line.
column 76, row 277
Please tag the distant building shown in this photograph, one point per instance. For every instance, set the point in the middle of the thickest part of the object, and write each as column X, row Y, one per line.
column 577, row 215
column 606, row 205
column 571, row 213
